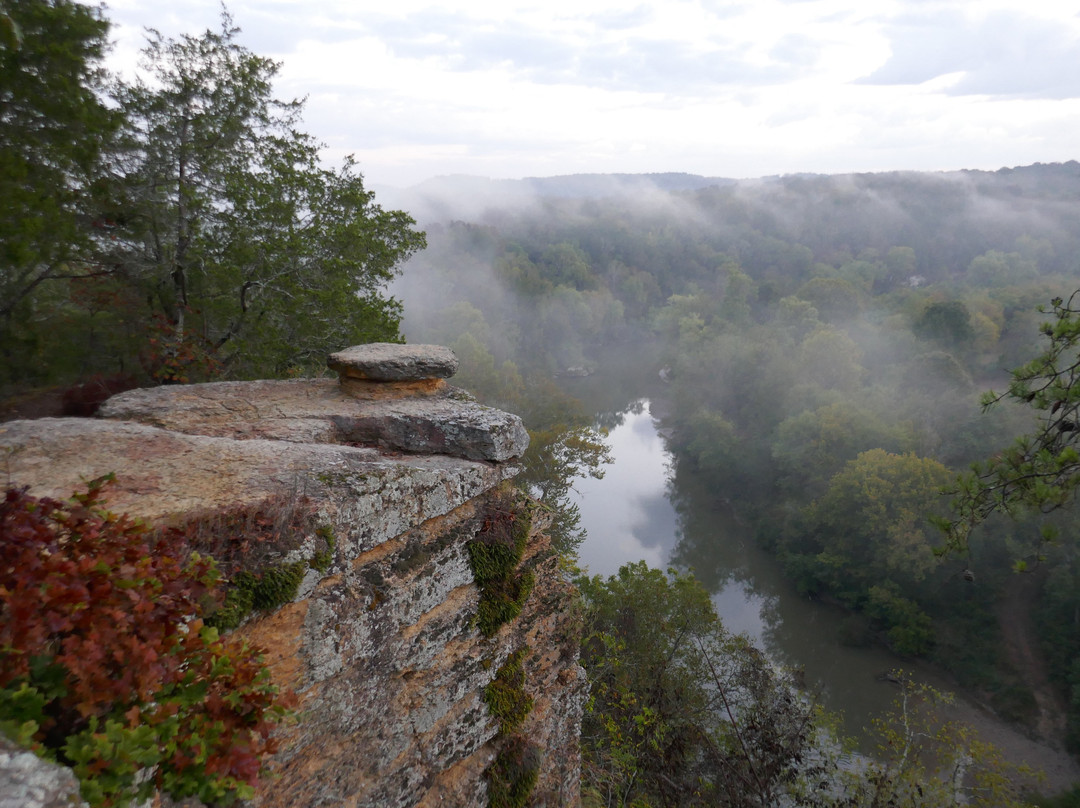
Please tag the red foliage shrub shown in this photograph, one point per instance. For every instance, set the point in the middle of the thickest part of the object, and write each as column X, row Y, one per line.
column 83, row 400
column 105, row 663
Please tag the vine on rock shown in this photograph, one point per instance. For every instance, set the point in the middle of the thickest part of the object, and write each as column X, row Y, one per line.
column 495, row 556
column 107, row 666
column 513, row 775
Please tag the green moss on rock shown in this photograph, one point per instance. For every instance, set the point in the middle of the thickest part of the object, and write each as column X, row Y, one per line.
column 502, row 601
column 321, row 561
column 272, row 587
column 513, row 774
column 494, row 556
column 505, row 695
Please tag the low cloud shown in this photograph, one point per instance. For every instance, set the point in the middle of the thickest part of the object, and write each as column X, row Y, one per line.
column 1001, row 54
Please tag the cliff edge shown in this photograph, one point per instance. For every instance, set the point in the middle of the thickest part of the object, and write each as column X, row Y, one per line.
column 378, row 487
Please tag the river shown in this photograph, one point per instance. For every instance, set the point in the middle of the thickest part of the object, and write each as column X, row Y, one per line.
column 634, row 513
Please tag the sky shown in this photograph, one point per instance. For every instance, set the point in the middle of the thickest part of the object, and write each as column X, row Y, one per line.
column 729, row 88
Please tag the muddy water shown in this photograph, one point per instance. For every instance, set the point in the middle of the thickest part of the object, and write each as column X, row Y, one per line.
column 630, row 516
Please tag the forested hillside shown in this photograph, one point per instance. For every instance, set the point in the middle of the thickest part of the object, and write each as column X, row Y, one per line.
column 826, row 340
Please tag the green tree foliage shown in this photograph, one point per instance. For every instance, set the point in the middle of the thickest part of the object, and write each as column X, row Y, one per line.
column 869, row 542
column 188, row 226
column 837, row 300
column 995, row 268
column 682, row 712
column 946, row 322
column 830, row 359
column 811, row 447
column 231, row 227
column 1041, row 470
column 54, row 128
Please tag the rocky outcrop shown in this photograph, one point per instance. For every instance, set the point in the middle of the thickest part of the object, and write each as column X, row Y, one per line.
column 381, row 645
column 27, row 781
column 388, row 362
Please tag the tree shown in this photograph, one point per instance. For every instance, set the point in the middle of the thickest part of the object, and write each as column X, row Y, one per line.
column 53, row 129
column 562, row 447
column 868, row 541
column 1041, row 470
column 836, row 300
column 235, row 233
column 946, row 322
column 811, row 447
column 926, row 761
column 682, row 712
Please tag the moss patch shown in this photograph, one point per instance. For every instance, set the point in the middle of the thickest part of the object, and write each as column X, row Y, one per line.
column 271, row 587
column 247, row 592
column 494, row 556
column 505, row 696
column 322, row 560
column 513, row 774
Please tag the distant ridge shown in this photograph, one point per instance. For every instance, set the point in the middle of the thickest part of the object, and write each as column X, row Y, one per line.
column 594, row 185
column 474, row 198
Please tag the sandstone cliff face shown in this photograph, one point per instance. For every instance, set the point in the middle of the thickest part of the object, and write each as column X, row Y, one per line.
column 381, row 646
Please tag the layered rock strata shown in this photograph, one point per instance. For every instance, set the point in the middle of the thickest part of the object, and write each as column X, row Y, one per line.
column 381, row 647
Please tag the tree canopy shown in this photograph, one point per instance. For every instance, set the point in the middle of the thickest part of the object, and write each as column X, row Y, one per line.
column 54, row 131
column 195, row 225
column 1041, row 470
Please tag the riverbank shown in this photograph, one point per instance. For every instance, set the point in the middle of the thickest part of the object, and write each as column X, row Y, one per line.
column 701, row 534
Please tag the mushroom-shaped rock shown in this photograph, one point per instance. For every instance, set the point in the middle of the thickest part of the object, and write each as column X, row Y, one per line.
column 390, row 362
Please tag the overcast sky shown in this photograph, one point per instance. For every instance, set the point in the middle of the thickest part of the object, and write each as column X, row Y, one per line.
column 716, row 87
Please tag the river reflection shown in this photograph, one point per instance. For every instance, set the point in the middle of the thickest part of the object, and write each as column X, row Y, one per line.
column 644, row 509
column 627, row 513
column 630, row 516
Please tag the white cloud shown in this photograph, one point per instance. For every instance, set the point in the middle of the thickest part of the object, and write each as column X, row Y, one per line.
column 715, row 87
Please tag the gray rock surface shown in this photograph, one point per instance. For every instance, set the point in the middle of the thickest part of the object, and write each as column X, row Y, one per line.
column 160, row 473
column 27, row 781
column 390, row 362
column 321, row 411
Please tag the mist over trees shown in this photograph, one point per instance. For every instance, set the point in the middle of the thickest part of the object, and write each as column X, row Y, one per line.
column 825, row 340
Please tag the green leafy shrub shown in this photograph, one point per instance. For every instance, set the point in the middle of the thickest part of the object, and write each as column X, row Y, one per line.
column 107, row 666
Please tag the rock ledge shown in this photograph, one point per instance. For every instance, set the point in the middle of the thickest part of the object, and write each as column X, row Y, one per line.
column 390, row 362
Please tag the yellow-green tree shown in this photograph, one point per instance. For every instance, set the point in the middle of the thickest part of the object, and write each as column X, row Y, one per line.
column 869, row 542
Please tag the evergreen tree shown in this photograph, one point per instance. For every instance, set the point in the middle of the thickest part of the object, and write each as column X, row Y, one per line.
column 249, row 251
column 53, row 131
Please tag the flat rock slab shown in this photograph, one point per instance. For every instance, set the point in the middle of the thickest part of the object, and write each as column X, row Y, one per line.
column 161, row 473
column 321, row 411
column 390, row 362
